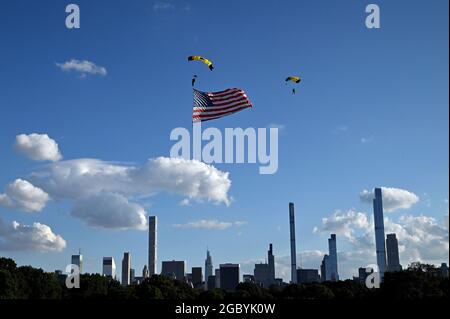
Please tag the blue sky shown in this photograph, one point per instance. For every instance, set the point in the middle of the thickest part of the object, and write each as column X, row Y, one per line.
column 372, row 110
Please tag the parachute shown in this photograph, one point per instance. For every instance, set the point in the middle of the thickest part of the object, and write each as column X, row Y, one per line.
column 204, row 60
column 295, row 79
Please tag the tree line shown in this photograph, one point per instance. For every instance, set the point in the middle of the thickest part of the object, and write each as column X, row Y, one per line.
column 26, row 282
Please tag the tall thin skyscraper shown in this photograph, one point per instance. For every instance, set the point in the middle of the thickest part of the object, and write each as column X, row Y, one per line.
column 332, row 250
column 126, row 269
column 393, row 258
column 293, row 249
column 379, row 231
column 208, row 266
column 152, row 244
column 271, row 261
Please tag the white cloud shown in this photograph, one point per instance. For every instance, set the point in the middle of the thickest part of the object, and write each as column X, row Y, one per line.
column 38, row 147
column 101, row 191
column 240, row 223
column 211, row 224
column 23, row 195
column 83, row 177
column 341, row 129
column 206, row 224
column 185, row 202
column 420, row 238
column 111, row 211
column 162, row 5
column 37, row 237
column 343, row 223
column 83, row 67
column 393, row 198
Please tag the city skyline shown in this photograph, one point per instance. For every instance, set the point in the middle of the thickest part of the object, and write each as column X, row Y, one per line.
column 87, row 117
column 264, row 274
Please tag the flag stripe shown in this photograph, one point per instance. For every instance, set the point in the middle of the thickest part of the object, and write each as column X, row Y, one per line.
column 213, row 105
column 218, row 109
column 225, row 97
column 220, row 114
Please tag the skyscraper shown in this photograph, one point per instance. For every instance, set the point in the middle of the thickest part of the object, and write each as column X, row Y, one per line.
column 78, row 261
column 132, row 276
column 271, row 261
column 307, row 276
column 379, row 231
column 217, row 276
column 332, row 251
column 264, row 274
column 293, row 249
column 325, row 270
column 393, row 258
column 261, row 274
column 208, row 266
column 126, row 269
column 229, row 276
column 152, row 244
column 197, row 276
column 145, row 273
column 109, row 267
column 174, row 269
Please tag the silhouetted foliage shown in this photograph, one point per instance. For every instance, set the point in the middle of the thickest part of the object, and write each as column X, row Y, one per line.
column 417, row 282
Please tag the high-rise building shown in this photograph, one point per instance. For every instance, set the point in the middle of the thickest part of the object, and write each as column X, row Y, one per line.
column 325, row 269
column 379, row 231
column 264, row 274
column 77, row 260
column 293, row 249
column 132, row 276
column 229, row 276
column 211, row 283
column 197, row 276
column 174, row 269
column 271, row 261
column 152, row 244
column 332, row 252
column 306, row 276
column 261, row 274
column 126, row 269
column 217, row 276
column 393, row 258
column 145, row 273
column 109, row 267
column 208, row 266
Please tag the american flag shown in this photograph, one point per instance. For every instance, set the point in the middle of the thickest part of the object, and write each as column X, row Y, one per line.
column 212, row 105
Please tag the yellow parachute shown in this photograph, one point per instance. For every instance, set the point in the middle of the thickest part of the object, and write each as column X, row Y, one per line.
column 204, row 60
column 295, row 79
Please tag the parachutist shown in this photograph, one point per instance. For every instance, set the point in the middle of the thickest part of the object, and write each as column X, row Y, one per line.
column 294, row 79
column 193, row 80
